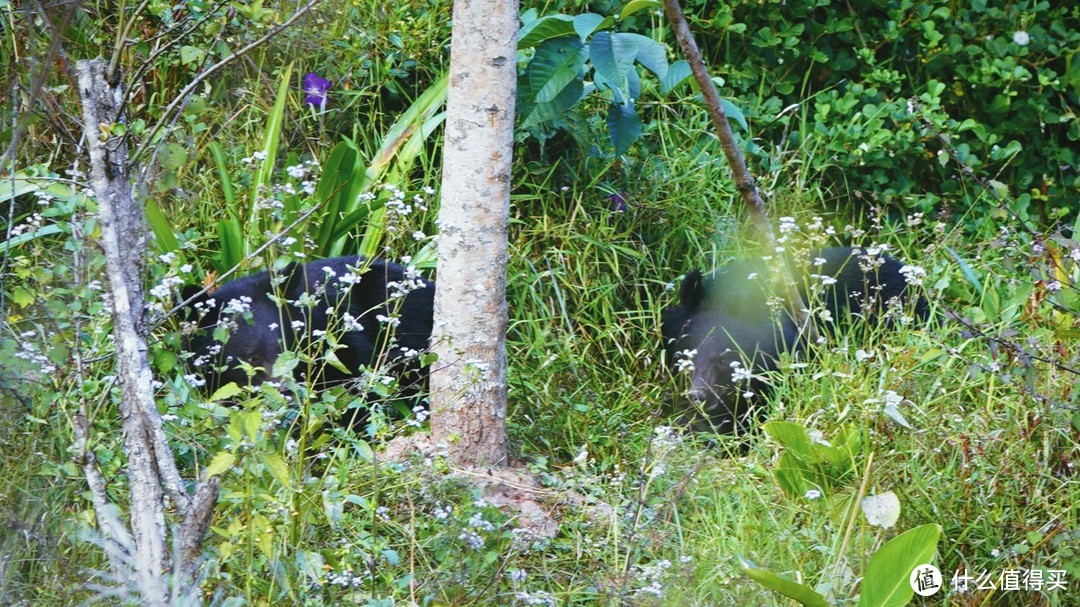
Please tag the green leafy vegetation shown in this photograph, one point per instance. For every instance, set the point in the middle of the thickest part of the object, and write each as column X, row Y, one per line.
column 968, row 423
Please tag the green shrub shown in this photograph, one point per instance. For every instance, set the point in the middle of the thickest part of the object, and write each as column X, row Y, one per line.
column 819, row 77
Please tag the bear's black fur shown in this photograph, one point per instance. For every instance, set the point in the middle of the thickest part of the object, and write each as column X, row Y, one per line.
column 350, row 301
column 724, row 324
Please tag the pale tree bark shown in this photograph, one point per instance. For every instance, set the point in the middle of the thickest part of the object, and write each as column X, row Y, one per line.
column 151, row 468
column 123, row 239
column 468, row 382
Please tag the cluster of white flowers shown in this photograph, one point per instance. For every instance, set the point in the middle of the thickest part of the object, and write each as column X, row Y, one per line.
column 650, row 578
column 345, row 579
column 238, row 305
column 256, row 157
column 442, row 512
column 268, row 203
column 684, row 361
column 472, row 539
column 739, row 373
column 392, row 320
column 29, row 351
column 164, row 289
column 412, row 281
column 539, row 597
column 666, row 438
column 516, row 576
column 420, row 415
column 872, row 257
column 913, row 275
column 298, row 171
column 350, row 322
column 31, row 224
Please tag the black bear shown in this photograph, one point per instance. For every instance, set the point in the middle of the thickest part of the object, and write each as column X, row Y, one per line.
column 341, row 315
column 727, row 329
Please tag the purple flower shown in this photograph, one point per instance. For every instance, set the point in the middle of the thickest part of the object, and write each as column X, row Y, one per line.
column 617, row 202
column 315, row 90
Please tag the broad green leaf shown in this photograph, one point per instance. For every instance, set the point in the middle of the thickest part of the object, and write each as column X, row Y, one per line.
column 231, row 241
column 793, row 437
column 544, row 29
column 624, row 125
column 333, row 508
column 342, row 171
column 263, row 532
column 221, row 463
column 789, row 588
column 159, row 225
column 22, row 297
column 276, row 465
column 651, row 54
column 999, row 189
column 1072, row 73
column 391, row 556
column 677, row 73
column 332, row 359
column 633, row 85
column 551, row 57
column 26, row 182
column 966, row 270
column 639, row 5
column 881, row 510
column 556, row 64
column 172, row 157
column 235, row 429
column 734, row 113
column 364, row 450
column 612, row 55
column 894, row 413
column 252, row 421
column 619, row 90
column 285, row 364
column 264, row 175
column 225, row 392
column 46, row 230
column 191, row 54
column 793, row 475
column 885, row 581
column 564, row 73
column 309, row 564
column 587, row 23
column 391, row 164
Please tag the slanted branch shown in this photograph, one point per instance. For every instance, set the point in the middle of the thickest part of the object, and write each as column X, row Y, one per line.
column 151, row 468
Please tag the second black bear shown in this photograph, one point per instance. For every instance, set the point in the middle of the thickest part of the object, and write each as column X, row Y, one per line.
column 725, row 333
column 342, row 316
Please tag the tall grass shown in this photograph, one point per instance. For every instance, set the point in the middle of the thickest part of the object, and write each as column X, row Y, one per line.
column 647, row 515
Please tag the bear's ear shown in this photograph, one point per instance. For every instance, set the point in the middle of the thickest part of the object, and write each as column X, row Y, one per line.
column 188, row 312
column 189, row 291
column 693, row 291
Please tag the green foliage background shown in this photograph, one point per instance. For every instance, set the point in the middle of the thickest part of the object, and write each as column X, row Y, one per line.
column 989, row 446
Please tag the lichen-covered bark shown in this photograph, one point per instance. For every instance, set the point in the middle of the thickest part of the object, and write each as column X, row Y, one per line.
column 151, row 468
column 468, row 382
column 123, row 240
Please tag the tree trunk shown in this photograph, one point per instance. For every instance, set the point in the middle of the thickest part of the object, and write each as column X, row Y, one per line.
column 123, row 239
column 468, row 382
column 151, row 468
